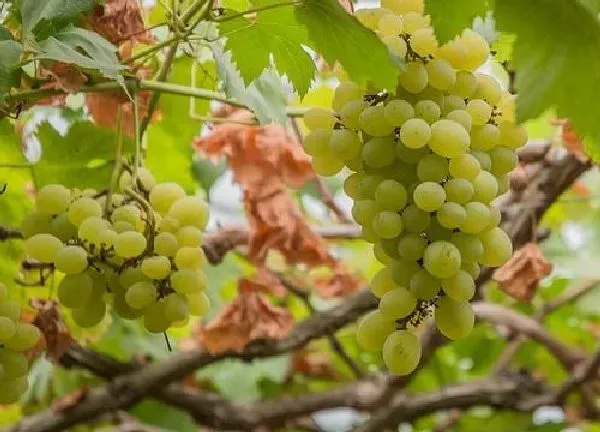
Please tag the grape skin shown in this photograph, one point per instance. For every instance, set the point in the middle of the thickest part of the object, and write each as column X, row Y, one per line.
column 401, row 352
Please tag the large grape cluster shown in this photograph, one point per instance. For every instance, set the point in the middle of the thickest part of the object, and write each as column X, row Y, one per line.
column 16, row 337
column 427, row 160
column 141, row 253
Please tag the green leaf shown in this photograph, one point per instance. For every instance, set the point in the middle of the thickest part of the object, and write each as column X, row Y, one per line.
column 5, row 34
column 450, row 17
column 164, row 417
column 339, row 36
column 274, row 32
column 554, row 57
column 238, row 5
column 10, row 73
column 41, row 16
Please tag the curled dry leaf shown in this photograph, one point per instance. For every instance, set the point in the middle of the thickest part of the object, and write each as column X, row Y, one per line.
column 520, row 276
column 313, row 364
column 65, row 76
column 265, row 281
column 249, row 317
column 70, row 400
column 570, row 139
column 56, row 338
column 120, row 21
column 340, row 284
column 580, row 189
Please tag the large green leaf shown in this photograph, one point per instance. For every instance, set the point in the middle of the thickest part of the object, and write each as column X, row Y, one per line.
column 164, row 417
column 40, row 16
column 339, row 36
column 449, row 17
column 555, row 56
column 10, row 73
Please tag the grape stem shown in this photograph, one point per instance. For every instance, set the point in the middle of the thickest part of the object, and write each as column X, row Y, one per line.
column 150, row 222
column 118, row 163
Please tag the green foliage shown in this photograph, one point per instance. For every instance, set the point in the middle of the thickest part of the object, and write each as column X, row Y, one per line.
column 450, row 17
column 10, row 73
column 45, row 17
column 164, row 417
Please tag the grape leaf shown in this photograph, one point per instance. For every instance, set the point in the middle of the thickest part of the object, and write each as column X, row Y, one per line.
column 450, row 17
column 549, row 56
column 10, row 73
column 339, row 36
column 40, row 17
column 5, row 34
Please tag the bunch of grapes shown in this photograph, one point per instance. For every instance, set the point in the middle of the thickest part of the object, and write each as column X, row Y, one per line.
column 139, row 250
column 427, row 160
column 15, row 338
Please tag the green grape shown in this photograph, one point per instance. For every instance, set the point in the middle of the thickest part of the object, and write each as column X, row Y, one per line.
column 71, row 260
column 454, row 52
column 163, row 195
column 410, row 155
column 414, row 78
column 344, row 144
column 90, row 229
column 373, row 330
column 449, row 139
column 454, row 319
column 456, row 103
column 165, row 243
column 459, row 190
column 396, row 45
column 89, row 315
column 401, row 352
column 352, row 185
column 477, row 49
column 380, row 254
column 461, row 117
column 488, row 89
column 424, row 43
column 75, row 290
column 368, row 185
column 472, row 268
column 466, row 84
column 318, row 118
column 145, row 179
column 459, row 287
column 370, row 17
column 130, row 244
column 188, row 281
column 398, row 111
column 484, row 137
column 379, row 152
column 191, row 211
column 436, row 232
column 390, row 247
column 15, row 364
column 397, row 303
column 424, row 286
column 485, row 162
column 382, row 282
column 11, row 389
column 52, row 199
column 344, row 93
column 485, row 187
column 503, row 183
column 121, row 227
column 140, row 295
column 83, row 208
column 480, row 111
column 391, row 195
column 368, row 234
column 403, row 172
column 442, row 259
column 25, row 337
column 412, row 246
column 470, row 247
column 390, row 25
column 428, row 110
column 403, row 7
column 43, row 247
column 415, row 220
column 123, row 309
column 189, row 236
column 504, row 160
column 373, row 122
column 155, row 318
column 497, row 247
column 127, row 213
column 387, row 224
column 512, row 136
column 495, row 217
column 441, row 74
column 190, row 257
column 10, row 309
column 176, row 307
column 415, row 133
column 351, row 112
column 326, row 166
column 402, row 271
column 478, row 218
column 432, row 168
column 451, row 215
column 156, row 267
column 198, row 304
column 429, row 196
column 106, row 238
column 414, row 21
column 431, row 94
column 131, row 275
column 466, row 167
column 35, row 223
column 7, row 328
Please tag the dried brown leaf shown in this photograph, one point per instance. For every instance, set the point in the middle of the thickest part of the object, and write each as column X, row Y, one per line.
column 314, row 364
column 56, row 338
column 120, row 21
column 70, row 400
column 66, row 76
column 341, row 284
column 520, row 276
column 580, row 189
column 571, row 139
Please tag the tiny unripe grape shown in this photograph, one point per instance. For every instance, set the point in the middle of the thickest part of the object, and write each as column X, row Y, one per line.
column 442, row 259
column 401, row 352
column 129, row 244
column 52, row 199
column 454, row 319
column 156, row 267
column 372, row 331
column 71, row 260
column 43, row 247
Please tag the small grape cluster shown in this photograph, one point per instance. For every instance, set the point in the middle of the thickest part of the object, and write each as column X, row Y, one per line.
column 139, row 250
column 427, row 160
column 15, row 338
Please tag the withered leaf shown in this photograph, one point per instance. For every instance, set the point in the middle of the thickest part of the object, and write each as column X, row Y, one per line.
column 340, row 284
column 314, row 364
column 56, row 338
column 120, row 21
column 66, row 76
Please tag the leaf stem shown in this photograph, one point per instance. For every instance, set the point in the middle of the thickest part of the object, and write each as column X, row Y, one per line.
column 118, row 163
column 255, row 10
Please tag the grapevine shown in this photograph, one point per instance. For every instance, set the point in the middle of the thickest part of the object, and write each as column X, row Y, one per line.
column 427, row 159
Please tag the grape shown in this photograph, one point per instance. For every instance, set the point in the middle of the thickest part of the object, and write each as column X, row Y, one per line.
column 402, row 7
column 190, row 210
column 344, row 93
column 130, row 244
column 352, row 185
column 379, row 252
column 7, row 328
column 15, row 364
column 428, row 110
column 471, row 268
column 379, row 152
column 25, row 337
column 370, row 17
column 485, row 162
column 351, row 112
column 440, row 72
column 412, row 246
column 454, row 52
column 415, row 133
column 466, row 84
column 123, row 309
column 429, row 196
column 140, row 295
column 431, row 94
column 466, row 167
column 402, row 271
column 127, row 213
column 388, row 224
column 43, row 247
column 90, row 229
column 176, row 307
column 454, row 319
column 106, row 238
column 364, row 211
column 503, row 183
column 423, row 42
column 470, row 247
column 497, row 248
column 326, row 167
column 71, row 260
column 504, row 160
column 344, row 144
column 163, row 195
column 488, row 89
column 145, row 179
column 121, row 227
column 512, row 136
column 318, row 118
column 410, row 155
column 495, row 217
column 480, row 111
column 451, row 215
column 165, row 243
column 396, row 45
column 189, row 236
column 372, row 121
column 89, row 315
column 188, row 281
column 485, row 187
column 397, row 303
column 478, row 217
column 432, row 168
column 390, row 247
column 398, row 111
column 83, row 208
column 477, row 49
column 190, row 257
column 459, row 190
column 390, row 24
column 35, row 223
column 10, row 309
column 485, row 137
column 198, row 304
column 415, row 220
column 461, row 117
column 401, row 352
column 367, row 186
column 390, row 195
column 414, row 21
column 414, row 78
column 75, row 290
column 372, row 331
column 155, row 318
column 156, row 267
column 448, row 138
column 442, row 259
column 424, row 286
column 459, row 287
column 382, row 282
column 52, row 199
